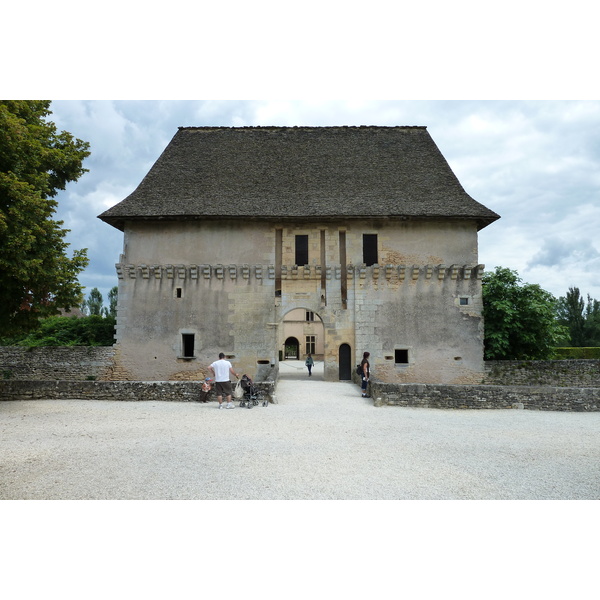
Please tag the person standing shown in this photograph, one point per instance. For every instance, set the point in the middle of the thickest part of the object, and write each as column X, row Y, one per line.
column 309, row 364
column 366, row 373
column 221, row 369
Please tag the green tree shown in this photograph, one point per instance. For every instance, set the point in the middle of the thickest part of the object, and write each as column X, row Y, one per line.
column 93, row 305
column 520, row 319
column 36, row 276
column 581, row 319
column 68, row 331
column 112, row 301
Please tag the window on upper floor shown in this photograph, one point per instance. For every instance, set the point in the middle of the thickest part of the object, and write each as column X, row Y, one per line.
column 301, row 250
column 370, row 249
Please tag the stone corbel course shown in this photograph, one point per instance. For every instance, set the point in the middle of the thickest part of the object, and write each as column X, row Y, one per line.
column 296, row 272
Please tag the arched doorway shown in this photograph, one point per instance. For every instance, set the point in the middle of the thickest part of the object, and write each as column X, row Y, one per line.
column 291, row 348
column 345, row 362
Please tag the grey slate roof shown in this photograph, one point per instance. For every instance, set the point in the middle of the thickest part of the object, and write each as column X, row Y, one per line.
column 299, row 172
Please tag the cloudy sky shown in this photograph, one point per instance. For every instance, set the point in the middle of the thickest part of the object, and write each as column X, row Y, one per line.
column 533, row 162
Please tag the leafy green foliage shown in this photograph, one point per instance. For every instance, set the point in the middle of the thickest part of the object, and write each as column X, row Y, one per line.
column 68, row 331
column 36, row 276
column 577, row 353
column 581, row 319
column 520, row 319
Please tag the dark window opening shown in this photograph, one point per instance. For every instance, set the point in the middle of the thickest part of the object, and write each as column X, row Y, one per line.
column 187, row 340
column 301, row 250
column 401, row 357
column 179, row 292
column 464, row 301
column 370, row 249
column 310, row 315
column 310, row 344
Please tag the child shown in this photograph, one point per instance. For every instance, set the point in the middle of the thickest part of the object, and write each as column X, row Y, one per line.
column 206, row 387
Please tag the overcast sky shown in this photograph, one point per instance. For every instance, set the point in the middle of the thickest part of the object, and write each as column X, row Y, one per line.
column 535, row 163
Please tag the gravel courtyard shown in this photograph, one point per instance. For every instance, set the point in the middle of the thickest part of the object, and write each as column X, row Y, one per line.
column 320, row 441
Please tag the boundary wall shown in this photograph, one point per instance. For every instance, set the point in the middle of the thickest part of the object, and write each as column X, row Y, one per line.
column 129, row 391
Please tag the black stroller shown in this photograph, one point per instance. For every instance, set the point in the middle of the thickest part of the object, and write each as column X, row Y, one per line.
column 252, row 394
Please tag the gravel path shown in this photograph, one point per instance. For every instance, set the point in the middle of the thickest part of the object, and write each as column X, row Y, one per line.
column 321, row 441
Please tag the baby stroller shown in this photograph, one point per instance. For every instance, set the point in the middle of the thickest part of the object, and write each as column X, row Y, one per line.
column 251, row 395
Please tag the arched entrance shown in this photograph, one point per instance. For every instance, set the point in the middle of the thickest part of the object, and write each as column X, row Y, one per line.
column 345, row 362
column 291, row 348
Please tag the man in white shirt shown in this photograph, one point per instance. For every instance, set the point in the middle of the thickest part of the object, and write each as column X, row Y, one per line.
column 221, row 369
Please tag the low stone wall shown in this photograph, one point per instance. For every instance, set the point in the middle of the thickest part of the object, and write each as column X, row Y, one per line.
column 556, row 373
column 136, row 391
column 485, row 396
column 47, row 363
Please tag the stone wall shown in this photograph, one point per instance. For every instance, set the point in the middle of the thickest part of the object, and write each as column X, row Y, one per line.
column 136, row 391
column 68, row 363
column 486, row 396
column 558, row 373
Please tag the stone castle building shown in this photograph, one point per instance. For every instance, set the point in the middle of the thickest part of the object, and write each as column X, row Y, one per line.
column 270, row 242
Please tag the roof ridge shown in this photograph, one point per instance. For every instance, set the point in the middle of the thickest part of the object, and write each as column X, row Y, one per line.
column 305, row 127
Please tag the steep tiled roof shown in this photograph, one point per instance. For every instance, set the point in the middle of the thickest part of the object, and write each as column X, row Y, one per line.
column 299, row 172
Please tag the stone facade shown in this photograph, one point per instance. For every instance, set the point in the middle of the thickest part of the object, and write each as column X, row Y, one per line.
column 418, row 310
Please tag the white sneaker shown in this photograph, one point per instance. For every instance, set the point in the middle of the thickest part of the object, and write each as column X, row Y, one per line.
column 230, row 405
column 220, row 406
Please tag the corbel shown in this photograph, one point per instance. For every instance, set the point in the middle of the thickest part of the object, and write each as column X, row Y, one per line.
column 306, row 272
column 480, row 270
column 271, row 271
column 388, row 271
column 295, row 272
column 233, row 271
column 415, row 272
column 219, row 271
column 245, row 271
column 468, row 271
column 157, row 270
column 328, row 272
column 428, row 271
column 145, row 271
column 207, row 271
column 119, row 268
column 258, row 272
column 169, row 269
column 401, row 272
column 441, row 272
column 350, row 271
column 132, row 273
column 362, row 271
column 193, row 271
column 284, row 272
column 181, row 271
column 454, row 271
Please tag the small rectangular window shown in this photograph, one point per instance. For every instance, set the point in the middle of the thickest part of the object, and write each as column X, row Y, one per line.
column 370, row 249
column 310, row 344
column 178, row 293
column 401, row 357
column 187, row 342
column 301, row 250
column 464, row 301
column 310, row 315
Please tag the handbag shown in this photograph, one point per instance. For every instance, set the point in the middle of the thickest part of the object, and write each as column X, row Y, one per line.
column 238, row 392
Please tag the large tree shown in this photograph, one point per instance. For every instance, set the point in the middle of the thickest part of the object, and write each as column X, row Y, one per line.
column 36, row 276
column 520, row 319
column 583, row 321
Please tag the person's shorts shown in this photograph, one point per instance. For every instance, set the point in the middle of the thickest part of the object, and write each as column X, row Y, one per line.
column 223, row 388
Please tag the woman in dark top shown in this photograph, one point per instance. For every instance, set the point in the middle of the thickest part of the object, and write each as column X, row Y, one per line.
column 365, row 373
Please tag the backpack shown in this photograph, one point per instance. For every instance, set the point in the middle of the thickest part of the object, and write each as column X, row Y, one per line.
column 359, row 370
